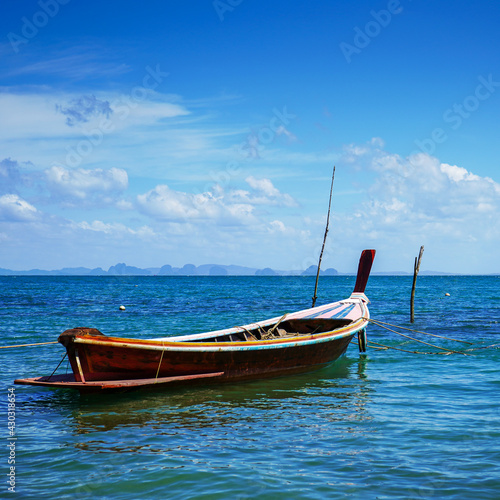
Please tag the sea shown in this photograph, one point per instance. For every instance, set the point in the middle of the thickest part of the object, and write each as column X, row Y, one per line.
column 406, row 420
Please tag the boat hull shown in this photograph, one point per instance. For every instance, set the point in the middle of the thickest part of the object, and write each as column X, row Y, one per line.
column 115, row 361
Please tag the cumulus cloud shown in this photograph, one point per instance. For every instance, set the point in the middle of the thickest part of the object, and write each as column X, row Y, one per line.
column 15, row 209
column 424, row 186
column 233, row 206
column 167, row 204
column 80, row 110
column 279, row 228
column 85, row 184
column 277, row 225
column 458, row 174
column 421, row 186
column 421, row 200
column 264, row 193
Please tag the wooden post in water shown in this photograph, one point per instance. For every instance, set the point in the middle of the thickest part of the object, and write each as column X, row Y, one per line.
column 416, row 269
column 315, row 296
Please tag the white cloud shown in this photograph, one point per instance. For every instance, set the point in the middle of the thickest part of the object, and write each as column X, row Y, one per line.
column 147, row 111
column 420, row 200
column 14, row 208
column 423, row 187
column 233, row 206
column 263, row 193
column 164, row 203
column 113, row 228
column 37, row 114
column 277, row 225
column 263, row 185
column 279, row 228
column 25, row 115
column 458, row 174
column 81, row 184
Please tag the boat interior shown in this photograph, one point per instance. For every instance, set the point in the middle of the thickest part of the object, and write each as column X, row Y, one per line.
column 281, row 329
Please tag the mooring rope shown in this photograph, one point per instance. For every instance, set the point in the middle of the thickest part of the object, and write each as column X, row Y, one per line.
column 483, row 347
column 65, row 354
column 384, row 347
column 413, row 339
column 381, row 323
column 27, row 345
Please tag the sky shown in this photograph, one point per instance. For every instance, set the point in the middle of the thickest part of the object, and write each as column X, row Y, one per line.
column 196, row 132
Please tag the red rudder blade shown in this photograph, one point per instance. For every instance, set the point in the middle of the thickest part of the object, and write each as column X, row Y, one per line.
column 364, row 268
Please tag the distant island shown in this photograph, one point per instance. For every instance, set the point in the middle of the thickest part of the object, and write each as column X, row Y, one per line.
column 191, row 270
column 167, row 270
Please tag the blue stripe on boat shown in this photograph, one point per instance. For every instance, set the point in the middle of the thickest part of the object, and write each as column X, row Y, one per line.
column 345, row 312
column 315, row 315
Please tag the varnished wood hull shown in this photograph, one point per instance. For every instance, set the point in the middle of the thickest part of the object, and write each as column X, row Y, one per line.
column 115, row 362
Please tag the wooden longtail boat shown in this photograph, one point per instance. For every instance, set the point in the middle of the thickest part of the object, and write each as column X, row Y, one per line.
column 292, row 343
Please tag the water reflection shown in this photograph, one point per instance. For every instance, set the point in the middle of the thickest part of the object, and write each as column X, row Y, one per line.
column 292, row 411
column 339, row 393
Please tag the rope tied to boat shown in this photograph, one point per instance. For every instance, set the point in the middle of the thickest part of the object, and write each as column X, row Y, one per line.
column 50, row 376
column 28, row 345
column 381, row 323
column 269, row 334
column 161, row 359
column 382, row 347
column 386, row 325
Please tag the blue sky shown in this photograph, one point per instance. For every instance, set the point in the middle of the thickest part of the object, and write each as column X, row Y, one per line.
column 206, row 132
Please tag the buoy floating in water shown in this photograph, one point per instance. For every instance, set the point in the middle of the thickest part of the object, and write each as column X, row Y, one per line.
column 447, row 294
column 122, row 308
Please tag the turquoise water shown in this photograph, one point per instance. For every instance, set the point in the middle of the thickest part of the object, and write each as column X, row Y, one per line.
column 390, row 424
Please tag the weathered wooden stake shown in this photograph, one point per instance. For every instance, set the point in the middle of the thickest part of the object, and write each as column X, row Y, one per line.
column 416, row 269
column 315, row 296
